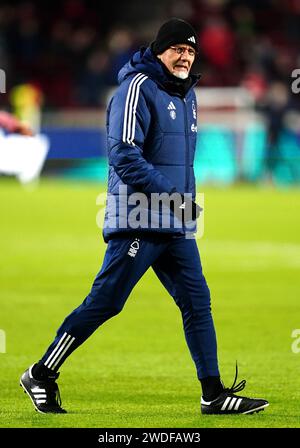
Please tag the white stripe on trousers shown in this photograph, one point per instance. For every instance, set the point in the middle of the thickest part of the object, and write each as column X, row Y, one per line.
column 55, row 350
column 130, row 108
column 62, row 346
column 64, row 351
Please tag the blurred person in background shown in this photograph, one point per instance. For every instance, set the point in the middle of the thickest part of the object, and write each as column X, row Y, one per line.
column 218, row 47
column 22, row 151
column 120, row 48
column 63, row 39
column 26, row 100
column 275, row 105
column 151, row 127
column 92, row 84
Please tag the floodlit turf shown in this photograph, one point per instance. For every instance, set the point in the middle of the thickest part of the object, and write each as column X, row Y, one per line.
column 136, row 371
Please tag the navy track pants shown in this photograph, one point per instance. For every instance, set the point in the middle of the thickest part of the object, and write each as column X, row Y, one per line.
column 176, row 262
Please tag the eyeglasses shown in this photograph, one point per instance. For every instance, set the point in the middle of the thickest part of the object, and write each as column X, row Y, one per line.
column 181, row 51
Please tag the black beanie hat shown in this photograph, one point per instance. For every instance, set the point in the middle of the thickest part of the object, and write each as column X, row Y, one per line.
column 174, row 31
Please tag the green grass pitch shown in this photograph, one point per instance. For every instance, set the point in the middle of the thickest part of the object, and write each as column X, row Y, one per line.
column 136, row 370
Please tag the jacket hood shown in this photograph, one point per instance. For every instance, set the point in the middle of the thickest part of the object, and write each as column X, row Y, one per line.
column 144, row 61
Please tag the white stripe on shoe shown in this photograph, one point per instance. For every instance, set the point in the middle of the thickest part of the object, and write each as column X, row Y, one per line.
column 37, row 389
column 238, row 404
column 30, row 371
column 233, row 400
column 206, row 403
column 226, row 402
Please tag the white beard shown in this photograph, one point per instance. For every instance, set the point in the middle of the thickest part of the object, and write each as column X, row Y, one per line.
column 180, row 74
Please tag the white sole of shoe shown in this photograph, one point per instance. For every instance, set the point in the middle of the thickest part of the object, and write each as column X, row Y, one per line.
column 260, row 408
column 251, row 411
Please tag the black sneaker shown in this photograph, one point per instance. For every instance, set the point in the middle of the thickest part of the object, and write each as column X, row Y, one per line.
column 44, row 394
column 228, row 403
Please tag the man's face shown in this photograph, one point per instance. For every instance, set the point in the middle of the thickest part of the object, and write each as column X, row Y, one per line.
column 178, row 59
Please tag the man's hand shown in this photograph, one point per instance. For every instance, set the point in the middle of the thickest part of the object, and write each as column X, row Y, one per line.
column 186, row 210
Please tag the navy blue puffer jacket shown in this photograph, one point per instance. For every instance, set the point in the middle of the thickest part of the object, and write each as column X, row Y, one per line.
column 151, row 140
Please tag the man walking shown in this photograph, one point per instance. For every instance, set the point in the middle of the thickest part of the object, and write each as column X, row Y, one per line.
column 151, row 129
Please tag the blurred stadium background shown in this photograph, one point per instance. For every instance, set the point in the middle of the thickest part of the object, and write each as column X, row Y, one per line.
column 70, row 52
column 61, row 60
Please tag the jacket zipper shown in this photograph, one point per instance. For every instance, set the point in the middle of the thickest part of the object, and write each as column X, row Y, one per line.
column 187, row 150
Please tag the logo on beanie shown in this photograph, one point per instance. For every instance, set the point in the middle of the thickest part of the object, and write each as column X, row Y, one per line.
column 192, row 39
